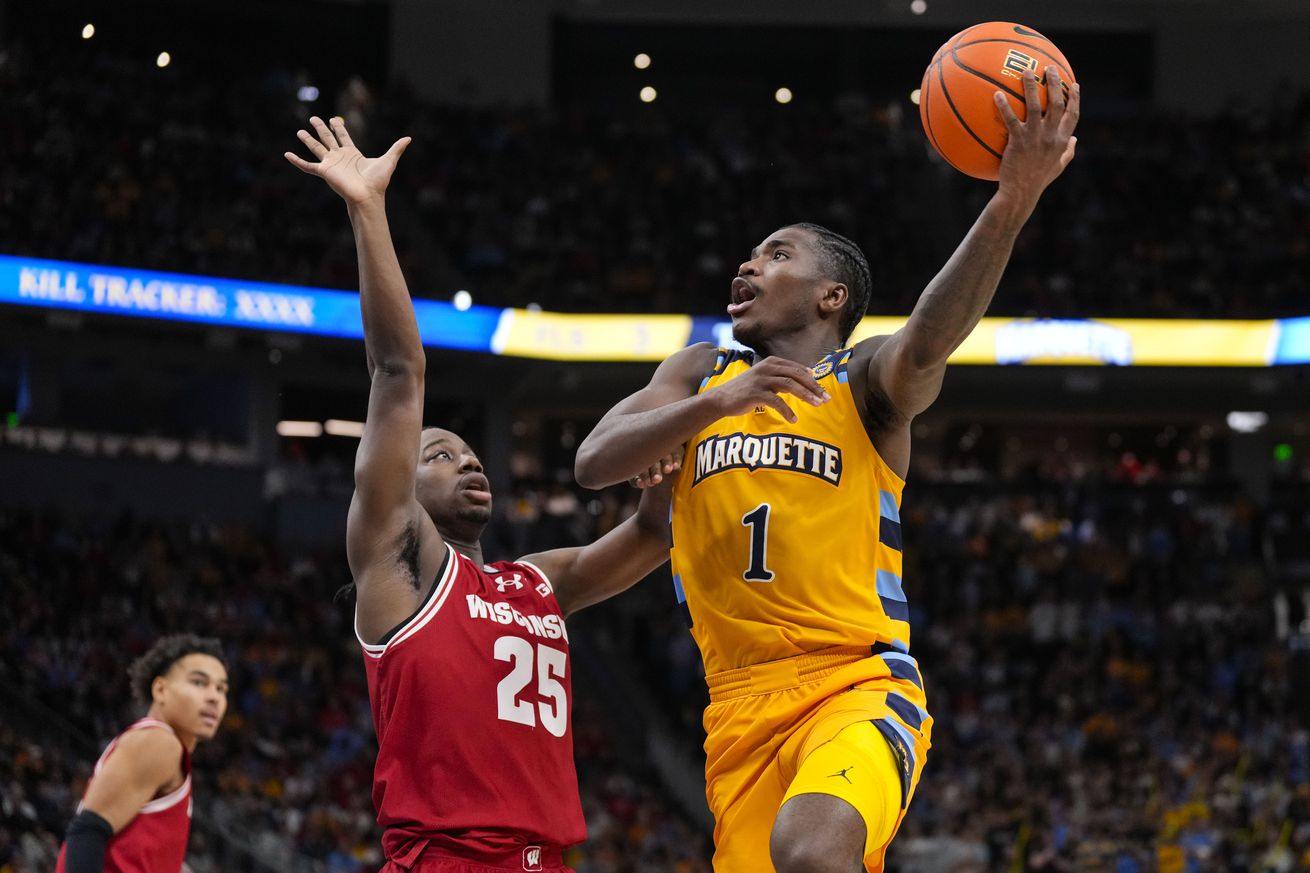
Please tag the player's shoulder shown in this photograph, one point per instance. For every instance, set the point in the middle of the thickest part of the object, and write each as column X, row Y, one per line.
column 692, row 363
column 867, row 349
column 153, row 747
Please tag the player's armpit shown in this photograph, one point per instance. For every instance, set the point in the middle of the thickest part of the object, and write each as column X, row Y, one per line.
column 615, row 562
column 638, row 431
column 142, row 764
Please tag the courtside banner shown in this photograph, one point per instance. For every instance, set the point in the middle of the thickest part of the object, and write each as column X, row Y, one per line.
column 234, row 303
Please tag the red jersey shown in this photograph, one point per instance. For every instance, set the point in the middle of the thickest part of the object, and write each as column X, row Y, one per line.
column 155, row 841
column 470, row 701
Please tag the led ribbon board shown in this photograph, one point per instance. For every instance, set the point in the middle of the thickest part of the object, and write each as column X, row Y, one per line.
column 556, row 336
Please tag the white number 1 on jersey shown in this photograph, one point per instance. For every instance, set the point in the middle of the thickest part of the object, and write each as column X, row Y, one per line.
column 552, row 664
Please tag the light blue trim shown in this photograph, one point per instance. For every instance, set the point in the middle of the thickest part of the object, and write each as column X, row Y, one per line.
column 889, row 586
column 887, row 507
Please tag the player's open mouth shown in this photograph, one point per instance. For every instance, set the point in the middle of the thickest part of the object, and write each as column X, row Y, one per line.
column 743, row 295
column 476, row 488
column 209, row 718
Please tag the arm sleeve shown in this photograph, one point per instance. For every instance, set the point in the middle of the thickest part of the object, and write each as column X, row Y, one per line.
column 88, row 835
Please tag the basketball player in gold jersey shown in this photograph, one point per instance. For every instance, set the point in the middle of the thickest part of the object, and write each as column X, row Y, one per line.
column 786, row 521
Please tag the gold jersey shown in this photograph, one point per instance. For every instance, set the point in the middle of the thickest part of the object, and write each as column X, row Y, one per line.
column 787, row 537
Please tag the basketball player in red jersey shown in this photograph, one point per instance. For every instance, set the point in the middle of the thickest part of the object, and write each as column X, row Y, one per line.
column 136, row 814
column 467, row 662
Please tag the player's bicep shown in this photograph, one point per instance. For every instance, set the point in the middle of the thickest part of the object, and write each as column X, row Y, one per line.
column 677, row 378
column 898, row 381
column 143, row 762
column 387, row 458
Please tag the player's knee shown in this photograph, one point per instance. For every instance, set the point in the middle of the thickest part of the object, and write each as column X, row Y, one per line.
column 817, row 834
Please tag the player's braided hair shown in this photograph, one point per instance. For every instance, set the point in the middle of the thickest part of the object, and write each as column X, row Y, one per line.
column 160, row 658
column 842, row 260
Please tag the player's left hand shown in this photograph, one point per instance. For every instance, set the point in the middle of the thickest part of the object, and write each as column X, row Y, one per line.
column 341, row 164
column 1042, row 145
column 659, row 471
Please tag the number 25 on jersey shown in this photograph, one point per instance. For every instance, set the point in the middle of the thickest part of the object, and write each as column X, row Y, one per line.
column 551, row 666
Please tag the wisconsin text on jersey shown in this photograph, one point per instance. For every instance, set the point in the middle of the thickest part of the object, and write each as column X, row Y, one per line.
column 774, row 451
column 550, row 627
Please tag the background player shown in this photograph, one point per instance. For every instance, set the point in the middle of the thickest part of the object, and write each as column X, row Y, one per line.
column 467, row 662
column 136, row 813
column 786, row 526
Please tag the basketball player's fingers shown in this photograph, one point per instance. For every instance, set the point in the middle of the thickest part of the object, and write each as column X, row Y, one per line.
column 804, row 387
column 315, row 147
column 339, row 130
column 1008, row 118
column 1072, row 110
column 1055, row 102
column 1030, row 95
column 398, row 148
column 324, row 135
column 781, row 405
column 1069, row 151
column 300, row 163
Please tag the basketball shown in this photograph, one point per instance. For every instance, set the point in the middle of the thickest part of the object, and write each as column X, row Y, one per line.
column 955, row 99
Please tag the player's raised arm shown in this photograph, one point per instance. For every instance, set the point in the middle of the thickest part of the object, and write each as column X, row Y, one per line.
column 639, row 431
column 615, row 562
column 392, row 545
column 905, row 372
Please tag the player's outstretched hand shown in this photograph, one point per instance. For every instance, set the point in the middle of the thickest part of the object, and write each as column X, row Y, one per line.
column 1042, row 145
column 340, row 163
column 765, row 383
column 662, row 469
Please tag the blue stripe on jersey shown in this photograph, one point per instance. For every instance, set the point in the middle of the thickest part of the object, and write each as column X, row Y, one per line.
column 898, row 737
column 842, row 376
column 897, row 610
column 909, row 711
column 889, row 586
column 889, row 533
column 903, row 667
column 901, row 646
column 887, row 507
column 677, row 588
column 703, row 383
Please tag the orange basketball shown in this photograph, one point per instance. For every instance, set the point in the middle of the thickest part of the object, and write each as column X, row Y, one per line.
column 955, row 100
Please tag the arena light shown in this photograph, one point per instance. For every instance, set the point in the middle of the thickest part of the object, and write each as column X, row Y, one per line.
column 163, row 60
column 648, row 94
column 1247, row 422
column 914, row 96
column 641, row 61
column 918, row 7
column 299, row 429
column 462, row 300
column 783, row 95
column 307, row 94
column 343, row 428
column 88, row 31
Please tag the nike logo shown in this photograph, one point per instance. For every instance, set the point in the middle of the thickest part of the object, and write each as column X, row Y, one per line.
column 842, row 773
column 1023, row 31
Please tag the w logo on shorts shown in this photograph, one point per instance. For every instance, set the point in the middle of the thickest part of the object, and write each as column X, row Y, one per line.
column 532, row 858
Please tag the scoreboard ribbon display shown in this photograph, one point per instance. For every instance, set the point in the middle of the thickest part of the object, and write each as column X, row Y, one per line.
column 563, row 337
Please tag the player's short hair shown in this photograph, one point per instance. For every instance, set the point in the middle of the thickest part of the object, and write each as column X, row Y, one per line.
column 161, row 657
column 842, row 260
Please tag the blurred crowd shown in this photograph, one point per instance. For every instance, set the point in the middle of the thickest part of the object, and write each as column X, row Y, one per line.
column 578, row 210
column 291, row 768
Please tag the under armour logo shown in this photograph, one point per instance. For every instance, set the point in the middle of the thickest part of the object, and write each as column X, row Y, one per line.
column 532, row 858
column 842, row 773
column 503, row 584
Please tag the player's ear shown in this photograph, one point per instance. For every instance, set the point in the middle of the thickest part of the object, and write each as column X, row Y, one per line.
column 157, row 688
column 834, row 298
